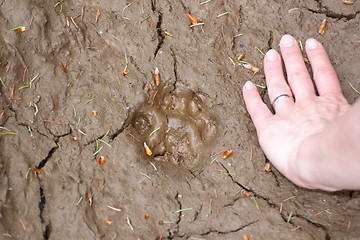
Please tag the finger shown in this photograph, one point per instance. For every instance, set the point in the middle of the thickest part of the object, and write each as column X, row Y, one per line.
column 325, row 77
column 257, row 109
column 298, row 76
column 276, row 82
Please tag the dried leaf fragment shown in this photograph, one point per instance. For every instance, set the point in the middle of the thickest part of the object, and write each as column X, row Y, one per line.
column 227, row 153
column 267, row 167
column 168, row 33
column 251, row 68
column 348, row 2
column 67, row 22
column 101, row 160
column 240, row 57
column 322, row 27
column 97, row 15
column 157, row 76
column 192, row 19
column 89, row 197
column 245, row 193
column 19, row 29
column 147, row 149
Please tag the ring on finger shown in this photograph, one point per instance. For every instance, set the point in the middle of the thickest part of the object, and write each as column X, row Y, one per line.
column 280, row 97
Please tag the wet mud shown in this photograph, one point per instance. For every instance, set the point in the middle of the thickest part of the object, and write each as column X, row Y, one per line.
column 78, row 86
column 176, row 125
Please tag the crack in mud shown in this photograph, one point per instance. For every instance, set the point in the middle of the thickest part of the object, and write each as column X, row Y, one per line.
column 122, row 128
column 331, row 14
column 271, row 40
column 176, row 74
column 230, row 231
column 42, row 203
column 160, row 34
column 274, row 205
column 46, row 159
column 315, row 224
column 112, row 136
column 173, row 231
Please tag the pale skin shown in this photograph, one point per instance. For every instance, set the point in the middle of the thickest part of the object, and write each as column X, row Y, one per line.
column 314, row 141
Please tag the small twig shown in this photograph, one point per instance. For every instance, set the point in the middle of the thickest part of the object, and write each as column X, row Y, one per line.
column 289, row 218
column 215, row 159
column 353, row 88
column 115, row 209
column 205, row 2
column 2, row 82
column 217, row 153
column 153, row 98
column 256, row 203
column 90, row 100
column 154, row 131
column 97, row 151
column 145, row 175
column 8, row 133
column 295, row 228
column 27, row 173
column 32, row 80
column 289, row 198
column 222, row 14
column 292, row 9
column 134, row 137
column 53, row 122
column 197, row 24
column 72, row 19
column 145, row 18
column 107, row 144
column 126, row 6
column 81, row 198
column 259, row 50
column 23, row 225
column 36, row 109
column 152, row 164
column 82, row 13
column 74, row 110
column 232, row 61
column 184, row 209
column 24, row 74
column 129, row 224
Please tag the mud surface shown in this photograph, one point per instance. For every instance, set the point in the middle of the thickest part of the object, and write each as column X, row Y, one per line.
column 197, row 110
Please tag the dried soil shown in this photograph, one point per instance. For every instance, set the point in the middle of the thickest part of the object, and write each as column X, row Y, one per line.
column 198, row 111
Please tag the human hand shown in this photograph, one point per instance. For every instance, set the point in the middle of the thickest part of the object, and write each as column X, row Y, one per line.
column 281, row 134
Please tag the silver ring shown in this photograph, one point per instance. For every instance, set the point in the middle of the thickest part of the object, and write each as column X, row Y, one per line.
column 281, row 96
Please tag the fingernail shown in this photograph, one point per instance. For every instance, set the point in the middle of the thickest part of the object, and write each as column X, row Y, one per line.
column 311, row 43
column 287, row 41
column 249, row 85
column 272, row 55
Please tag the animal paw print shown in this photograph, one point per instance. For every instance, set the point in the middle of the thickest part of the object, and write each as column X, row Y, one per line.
column 176, row 125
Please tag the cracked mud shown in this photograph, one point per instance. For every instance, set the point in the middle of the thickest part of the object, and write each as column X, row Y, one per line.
column 51, row 185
